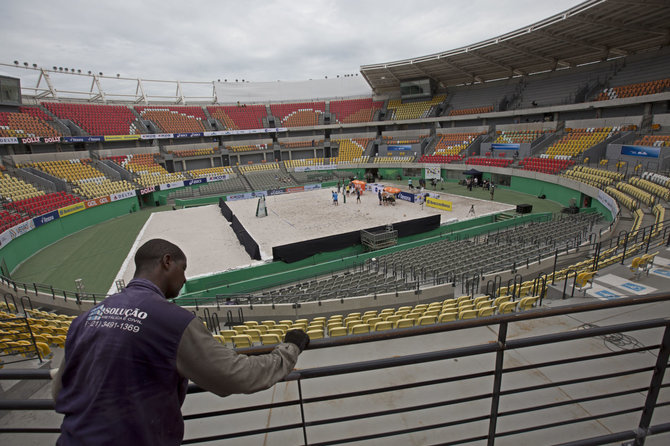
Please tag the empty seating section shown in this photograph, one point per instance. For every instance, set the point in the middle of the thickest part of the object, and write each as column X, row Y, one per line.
column 393, row 159
column 289, row 164
column 300, row 114
column 496, row 162
column 193, row 152
column 96, row 119
column 637, row 193
column 440, row 159
column 656, row 178
column 35, row 332
column 15, row 189
column 471, row 111
column 545, row 165
column 299, row 144
column 23, row 125
column 654, row 140
column 454, row 143
column 9, row 219
column 441, row 261
column 412, row 110
column 518, row 137
column 35, row 112
column 200, row 173
column 42, row 204
column 149, row 172
column 577, row 141
column 623, row 199
column 271, row 178
column 655, row 189
column 259, row 167
column 599, row 178
column 88, row 181
column 269, row 332
column 351, row 150
column 175, row 119
column 638, row 89
column 247, row 117
column 247, row 147
column 355, row 110
column 392, row 140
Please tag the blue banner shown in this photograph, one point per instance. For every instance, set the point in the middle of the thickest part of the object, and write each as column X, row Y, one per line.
column 195, row 181
column 276, row 191
column 643, row 151
column 402, row 148
column 188, row 135
column 510, row 146
column 83, row 138
column 46, row 218
column 407, row 196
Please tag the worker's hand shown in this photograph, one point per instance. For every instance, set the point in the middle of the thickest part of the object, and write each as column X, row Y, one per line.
column 297, row 337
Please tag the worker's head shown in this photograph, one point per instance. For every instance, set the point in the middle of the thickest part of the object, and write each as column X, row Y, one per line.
column 163, row 263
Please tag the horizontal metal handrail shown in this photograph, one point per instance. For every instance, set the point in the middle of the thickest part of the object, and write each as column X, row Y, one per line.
column 496, row 372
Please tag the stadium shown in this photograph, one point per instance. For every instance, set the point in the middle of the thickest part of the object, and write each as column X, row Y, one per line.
column 494, row 270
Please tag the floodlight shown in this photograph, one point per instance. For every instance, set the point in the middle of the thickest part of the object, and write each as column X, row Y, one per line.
column 118, row 75
column 25, row 64
column 79, row 71
column 89, row 72
column 34, row 65
column 100, row 73
column 60, row 68
column 66, row 70
column 55, row 68
column 16, row 62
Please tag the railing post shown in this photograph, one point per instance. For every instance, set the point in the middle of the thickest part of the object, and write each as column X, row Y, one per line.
column 302, row 414
column 654, row 387
column 497, row 382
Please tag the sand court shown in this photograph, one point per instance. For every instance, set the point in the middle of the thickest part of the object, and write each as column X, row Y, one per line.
column 211, row 245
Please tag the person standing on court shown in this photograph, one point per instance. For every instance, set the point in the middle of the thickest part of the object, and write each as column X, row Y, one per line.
column 128, row 360
column 491, row 189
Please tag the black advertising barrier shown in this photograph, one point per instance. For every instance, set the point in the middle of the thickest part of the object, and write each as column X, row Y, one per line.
column 301, row 250
column 245, row 239
column 225, row 210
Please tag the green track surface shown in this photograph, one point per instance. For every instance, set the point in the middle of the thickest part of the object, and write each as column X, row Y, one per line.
column 94, row 254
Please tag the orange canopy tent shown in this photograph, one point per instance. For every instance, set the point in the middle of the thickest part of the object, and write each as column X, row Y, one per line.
column 360, row 185
column 392, row 190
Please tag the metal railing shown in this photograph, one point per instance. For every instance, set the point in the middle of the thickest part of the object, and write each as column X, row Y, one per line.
column 477, row 414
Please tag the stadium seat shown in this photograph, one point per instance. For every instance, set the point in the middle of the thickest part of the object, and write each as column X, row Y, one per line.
column 242, row 341
column 270, row 339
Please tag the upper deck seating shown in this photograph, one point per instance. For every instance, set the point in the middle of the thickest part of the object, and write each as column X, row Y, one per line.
column 96, row 119
column 298, row 114
column 355, row 110
column 413, row 110
column 175, row 119
column 23, row 125
column 240, row 117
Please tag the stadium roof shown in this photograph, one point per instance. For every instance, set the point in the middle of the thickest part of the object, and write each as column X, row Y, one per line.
column 593, row 31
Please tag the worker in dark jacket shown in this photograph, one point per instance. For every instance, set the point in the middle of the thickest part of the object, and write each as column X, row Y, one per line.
column 128, row 360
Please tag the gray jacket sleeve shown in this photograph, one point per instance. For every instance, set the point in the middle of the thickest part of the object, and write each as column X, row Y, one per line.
column 221, row 370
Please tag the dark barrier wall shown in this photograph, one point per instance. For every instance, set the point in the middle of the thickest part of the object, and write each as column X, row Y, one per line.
column 301, row 250
column 225, row 210
column 247, row 241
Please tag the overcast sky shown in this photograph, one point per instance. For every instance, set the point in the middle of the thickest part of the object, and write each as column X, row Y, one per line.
column 259, row 41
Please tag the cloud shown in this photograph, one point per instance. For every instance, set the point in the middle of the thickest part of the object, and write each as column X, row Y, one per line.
column 255, row 40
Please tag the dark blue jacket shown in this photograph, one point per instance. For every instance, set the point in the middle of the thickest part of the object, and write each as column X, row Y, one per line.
column 120, row 382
